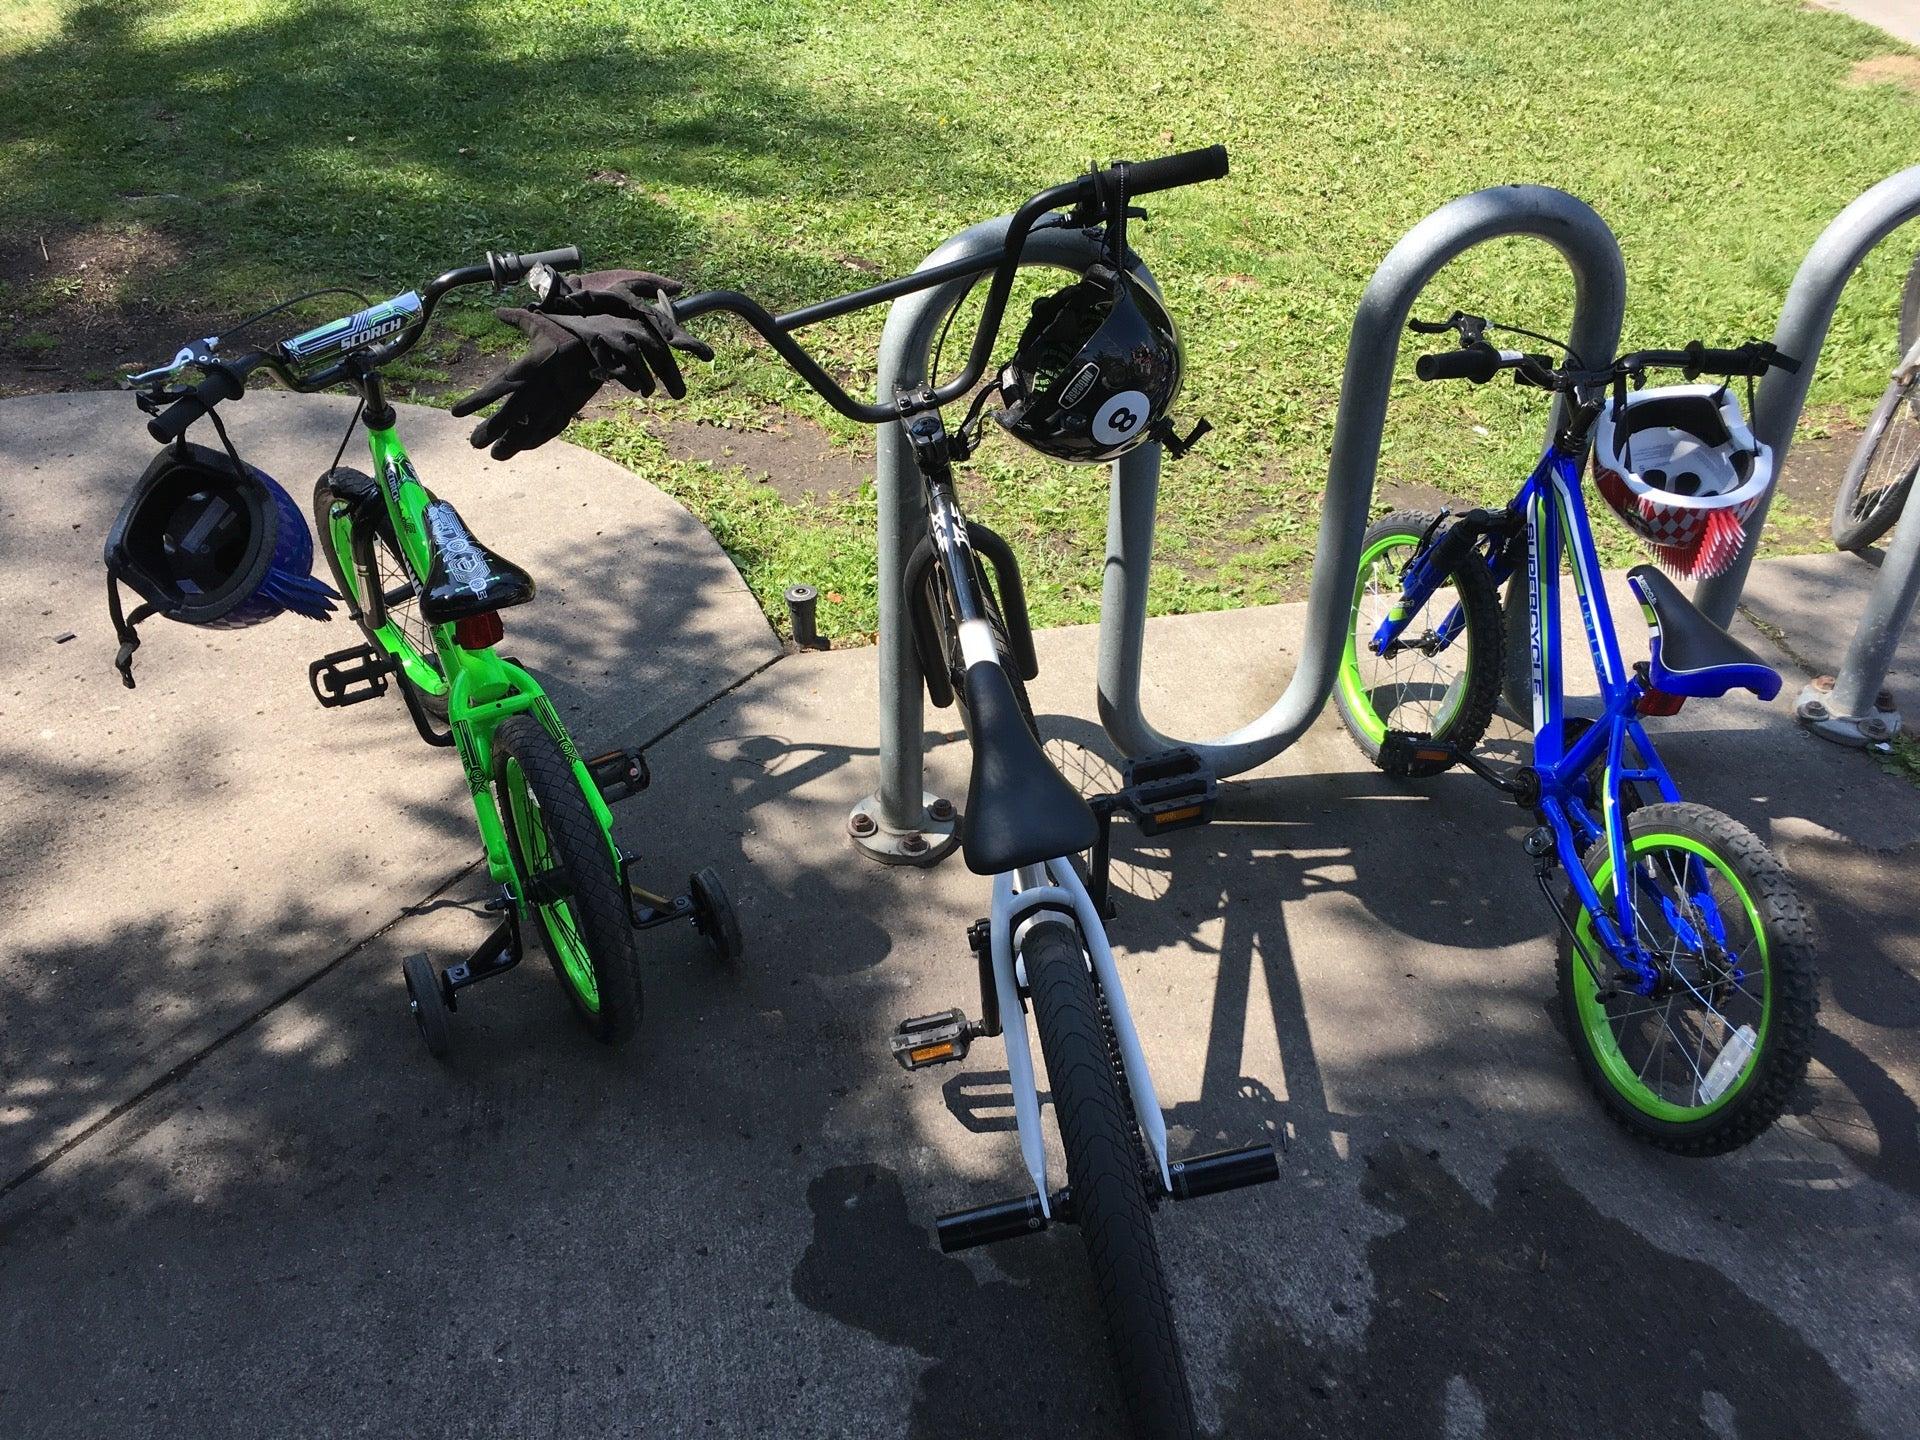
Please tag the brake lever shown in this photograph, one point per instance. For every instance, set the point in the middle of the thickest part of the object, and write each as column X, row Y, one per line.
column 1472, row 329
column 194, row 352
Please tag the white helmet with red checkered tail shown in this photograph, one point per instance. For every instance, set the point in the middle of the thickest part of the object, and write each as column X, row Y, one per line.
column 1683, row 469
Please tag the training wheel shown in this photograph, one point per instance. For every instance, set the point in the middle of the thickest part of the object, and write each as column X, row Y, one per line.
column 428, row 1003
column 713, row 914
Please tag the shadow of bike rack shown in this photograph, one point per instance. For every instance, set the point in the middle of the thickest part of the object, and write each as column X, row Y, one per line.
column 1846, row 713
column 900, row 821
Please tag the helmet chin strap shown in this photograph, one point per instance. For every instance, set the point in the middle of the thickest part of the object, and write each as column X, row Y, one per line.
column 1111, row 185
column 124, row 627
column 1177, row 446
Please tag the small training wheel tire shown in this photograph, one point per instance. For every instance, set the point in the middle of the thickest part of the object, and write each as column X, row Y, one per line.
column 713, row 913
column 428, row 1004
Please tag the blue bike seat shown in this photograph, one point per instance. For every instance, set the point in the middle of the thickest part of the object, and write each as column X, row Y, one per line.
column 1020, row 810
column 1691, row 654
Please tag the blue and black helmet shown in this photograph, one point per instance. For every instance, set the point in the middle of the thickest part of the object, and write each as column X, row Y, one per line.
column 208, row 540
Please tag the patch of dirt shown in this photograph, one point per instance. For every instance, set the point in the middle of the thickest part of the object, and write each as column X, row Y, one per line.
column 76, row 307
column 1901, row 70
column 1815, row 469
column 791, row 454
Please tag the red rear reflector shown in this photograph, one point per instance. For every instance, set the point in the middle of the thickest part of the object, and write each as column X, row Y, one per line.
column 477, row 632
column 1659, row 702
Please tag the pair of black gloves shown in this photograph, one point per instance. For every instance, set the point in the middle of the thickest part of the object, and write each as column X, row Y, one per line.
column 585, row 330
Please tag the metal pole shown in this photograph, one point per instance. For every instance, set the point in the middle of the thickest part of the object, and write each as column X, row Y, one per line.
column 1589, row 248
column 901, row 823
column 1847, row 709
column 1801, row 332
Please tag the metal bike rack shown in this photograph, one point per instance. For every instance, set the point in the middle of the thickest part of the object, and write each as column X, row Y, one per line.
column 1847, row 713
column 900, row 822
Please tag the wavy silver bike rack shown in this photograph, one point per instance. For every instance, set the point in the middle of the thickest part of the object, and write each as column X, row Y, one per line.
column 1846, row 713
column 900, row 822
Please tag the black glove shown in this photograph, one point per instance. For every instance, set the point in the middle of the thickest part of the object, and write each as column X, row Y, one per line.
column 623, row 330
column 544, row 389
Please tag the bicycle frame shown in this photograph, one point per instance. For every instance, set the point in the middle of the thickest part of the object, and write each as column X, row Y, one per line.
column 482, row 687
column 1052, row 886
column 1552, row 507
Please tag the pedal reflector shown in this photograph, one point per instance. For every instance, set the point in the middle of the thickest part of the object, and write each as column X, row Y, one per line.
column 1169, row 791
column 932, row 1040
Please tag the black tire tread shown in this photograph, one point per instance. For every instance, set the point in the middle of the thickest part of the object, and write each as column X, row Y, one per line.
column 1109, row 1194
column 580, row 850
column 1794, row 982
column 1486, row 646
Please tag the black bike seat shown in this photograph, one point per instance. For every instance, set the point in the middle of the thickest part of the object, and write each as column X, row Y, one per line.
column 1691, row 654
column 466, row 578
column 1020, row 810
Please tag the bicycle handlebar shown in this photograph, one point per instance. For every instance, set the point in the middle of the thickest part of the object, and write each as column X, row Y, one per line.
column 225, row 383
column 226, row 377
column 1149, row 176
column 1170, row 172
column 1479, row 362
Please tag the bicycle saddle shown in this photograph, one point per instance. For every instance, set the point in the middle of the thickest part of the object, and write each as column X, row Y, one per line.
column 1691, row 654
column 1020, row 810
column 466, row 578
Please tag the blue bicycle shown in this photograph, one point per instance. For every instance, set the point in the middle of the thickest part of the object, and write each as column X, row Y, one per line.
column 1686, row 964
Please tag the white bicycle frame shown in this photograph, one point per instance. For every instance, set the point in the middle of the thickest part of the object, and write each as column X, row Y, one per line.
column 1017, row 897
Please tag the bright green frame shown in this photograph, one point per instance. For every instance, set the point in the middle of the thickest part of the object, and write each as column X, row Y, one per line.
column 481, row 687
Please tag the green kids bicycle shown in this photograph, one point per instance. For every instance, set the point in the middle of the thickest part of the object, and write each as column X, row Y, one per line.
column 209, row 540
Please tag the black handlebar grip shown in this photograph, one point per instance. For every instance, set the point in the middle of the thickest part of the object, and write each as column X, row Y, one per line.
column 509, row 267
column 171, row 423
column 1477, row 363
column 567, row 257
column 1172, row 171
column 1710, row 360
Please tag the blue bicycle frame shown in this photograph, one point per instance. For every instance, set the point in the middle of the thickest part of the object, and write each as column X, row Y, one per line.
column 1554, row 509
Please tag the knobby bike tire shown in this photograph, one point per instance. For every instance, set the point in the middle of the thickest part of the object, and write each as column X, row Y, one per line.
column 585, row 874
column 1484, row 639
column 1780, row 1059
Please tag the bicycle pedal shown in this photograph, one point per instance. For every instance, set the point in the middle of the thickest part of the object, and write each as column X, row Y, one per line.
column 619, row 774
column 928, row 1040
column 1171, row 790
column 347, row 677
column 1401, row 751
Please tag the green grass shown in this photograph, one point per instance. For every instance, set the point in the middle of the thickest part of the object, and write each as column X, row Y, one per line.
column 784, row 147
column 1901, row 757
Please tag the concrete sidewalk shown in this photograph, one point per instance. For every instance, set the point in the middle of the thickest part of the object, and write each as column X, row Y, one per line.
column 306, row 1226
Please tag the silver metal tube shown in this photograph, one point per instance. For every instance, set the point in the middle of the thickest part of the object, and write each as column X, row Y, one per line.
column 1889, row 607
column 1802, row 331
column 1599, row 276
column 900, row 805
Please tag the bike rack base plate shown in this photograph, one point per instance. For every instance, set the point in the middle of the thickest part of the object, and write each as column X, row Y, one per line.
column 928, row 843
column 1812, row 708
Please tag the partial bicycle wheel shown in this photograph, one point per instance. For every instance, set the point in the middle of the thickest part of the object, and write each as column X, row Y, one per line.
column 1442, row 679
column 1105, row 1172
column 1879, row 478
column 1708, row 1061
column 569, row 878
column 342, row 499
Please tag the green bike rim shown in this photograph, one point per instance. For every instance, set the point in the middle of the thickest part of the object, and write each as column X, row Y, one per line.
column 557, row 920
column 1597, row 1023
column 1353, row 693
